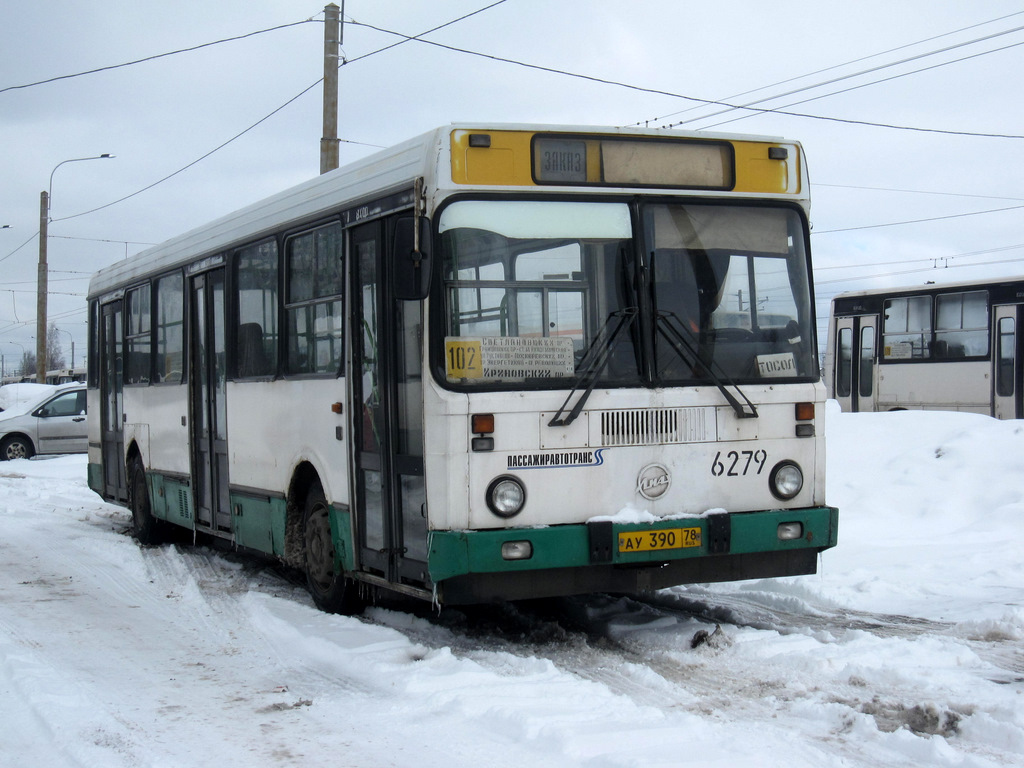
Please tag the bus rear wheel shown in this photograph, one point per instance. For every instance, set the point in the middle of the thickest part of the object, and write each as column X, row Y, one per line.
column 331, row 590
column 145, row 527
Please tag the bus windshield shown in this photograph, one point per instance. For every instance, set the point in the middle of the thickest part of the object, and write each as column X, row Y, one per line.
column 535, row 292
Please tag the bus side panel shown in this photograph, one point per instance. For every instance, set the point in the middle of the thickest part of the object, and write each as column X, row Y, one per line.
column 161, row 435
column 264, row 452
column 945, row 386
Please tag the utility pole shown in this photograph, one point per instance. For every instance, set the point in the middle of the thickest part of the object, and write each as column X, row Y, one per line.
column 42, row 275
column 332, row 41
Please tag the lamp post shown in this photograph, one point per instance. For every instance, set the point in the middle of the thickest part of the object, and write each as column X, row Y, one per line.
column 72, row 345
column 43, row 273
column 22, row 355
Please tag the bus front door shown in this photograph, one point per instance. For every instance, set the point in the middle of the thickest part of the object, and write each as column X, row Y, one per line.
column 387, row 415
column 111, row 401
column 856, row 355
column 207, row 403
column 1007, row 398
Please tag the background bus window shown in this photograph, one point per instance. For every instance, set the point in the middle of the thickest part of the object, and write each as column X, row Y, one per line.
column 138, row 336
column 256, row 335
column 907, row 332
column 866, row 371
column 170, row 324
column 844, row 363
column 961, row 324
column 1007, row 343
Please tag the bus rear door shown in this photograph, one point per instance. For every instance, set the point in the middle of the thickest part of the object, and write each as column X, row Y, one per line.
column 1007, row 398
column 111, row 401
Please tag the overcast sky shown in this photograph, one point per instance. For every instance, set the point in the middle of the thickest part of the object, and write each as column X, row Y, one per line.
column 949, row 67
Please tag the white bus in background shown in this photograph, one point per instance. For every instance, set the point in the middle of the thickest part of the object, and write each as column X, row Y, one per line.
column 493, row 362
column 950, row 347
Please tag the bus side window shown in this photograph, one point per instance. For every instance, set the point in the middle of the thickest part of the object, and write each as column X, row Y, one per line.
column 1007, row 343
column 867, row 358
column 844, row 365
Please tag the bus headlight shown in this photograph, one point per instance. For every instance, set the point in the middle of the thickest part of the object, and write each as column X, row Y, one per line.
column 786, row 480
column 506, row 496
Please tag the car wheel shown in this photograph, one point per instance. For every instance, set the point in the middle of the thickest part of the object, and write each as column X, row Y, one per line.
column 331, row 590
column 16, row 447
column 145, row 527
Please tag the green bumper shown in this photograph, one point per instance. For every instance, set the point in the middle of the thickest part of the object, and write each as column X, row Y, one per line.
column 462, row 553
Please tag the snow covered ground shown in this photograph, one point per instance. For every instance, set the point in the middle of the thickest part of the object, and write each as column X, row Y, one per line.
column 905, row 649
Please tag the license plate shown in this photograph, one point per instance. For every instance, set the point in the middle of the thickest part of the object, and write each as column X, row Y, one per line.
column 664, row 538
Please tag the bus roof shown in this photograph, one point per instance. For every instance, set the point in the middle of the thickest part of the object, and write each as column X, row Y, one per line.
column 390, row 171
column 930, row 286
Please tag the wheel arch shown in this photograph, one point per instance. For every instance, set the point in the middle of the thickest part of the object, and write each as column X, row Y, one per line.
column 304, row 477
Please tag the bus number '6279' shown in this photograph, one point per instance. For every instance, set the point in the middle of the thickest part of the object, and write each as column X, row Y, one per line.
column 739, row 463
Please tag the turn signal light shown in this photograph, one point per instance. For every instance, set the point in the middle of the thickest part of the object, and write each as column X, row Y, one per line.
column 482, row 423
column 805, row 411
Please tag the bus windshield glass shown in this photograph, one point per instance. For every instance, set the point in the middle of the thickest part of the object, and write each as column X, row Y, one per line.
column 730, row 291
column 546, row 293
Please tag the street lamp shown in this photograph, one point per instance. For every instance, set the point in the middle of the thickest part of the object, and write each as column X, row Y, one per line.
column 3, row 367
column 43, row 274
column 72, row 344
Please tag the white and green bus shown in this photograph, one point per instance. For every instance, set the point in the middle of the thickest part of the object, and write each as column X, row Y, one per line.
column 494, row 362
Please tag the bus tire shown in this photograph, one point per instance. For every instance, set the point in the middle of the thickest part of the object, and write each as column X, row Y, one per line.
column 331, row 590
column 145, row 527
column 16, row 447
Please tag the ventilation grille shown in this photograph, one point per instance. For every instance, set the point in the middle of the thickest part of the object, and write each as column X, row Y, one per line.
column 657, row 426
column 184, row 508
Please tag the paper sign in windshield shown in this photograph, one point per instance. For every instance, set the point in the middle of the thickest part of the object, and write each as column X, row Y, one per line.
column 776, row 366
column 508, row 357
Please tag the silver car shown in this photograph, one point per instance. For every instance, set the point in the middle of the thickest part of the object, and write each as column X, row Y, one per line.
column 53, row 422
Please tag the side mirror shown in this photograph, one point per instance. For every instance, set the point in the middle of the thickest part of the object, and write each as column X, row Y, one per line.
column 412, row 265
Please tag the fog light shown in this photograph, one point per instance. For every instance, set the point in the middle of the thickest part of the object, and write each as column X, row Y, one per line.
column 790, row 531
column 786, row 480
column 516, row 550
column 506, row 496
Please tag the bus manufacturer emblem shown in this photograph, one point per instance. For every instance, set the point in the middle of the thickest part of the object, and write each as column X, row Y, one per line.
column 653, row 481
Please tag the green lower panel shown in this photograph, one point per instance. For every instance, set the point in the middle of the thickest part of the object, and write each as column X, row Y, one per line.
column 457, row 553
column 96, row 477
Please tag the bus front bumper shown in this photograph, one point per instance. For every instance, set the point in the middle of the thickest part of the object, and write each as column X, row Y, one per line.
column 606, row 556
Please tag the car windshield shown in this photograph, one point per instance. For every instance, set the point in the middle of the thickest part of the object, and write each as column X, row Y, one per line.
column 546, row 294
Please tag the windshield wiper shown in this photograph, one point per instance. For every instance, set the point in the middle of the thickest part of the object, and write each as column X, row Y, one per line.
column 594, row 361
column 679, row 343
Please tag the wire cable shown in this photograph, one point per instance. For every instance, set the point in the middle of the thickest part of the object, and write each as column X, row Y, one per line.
column 156, row 56
column 662, row 92
column 271, row 114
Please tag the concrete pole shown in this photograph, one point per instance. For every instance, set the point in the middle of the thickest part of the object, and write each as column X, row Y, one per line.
column 332, row 36
column 41, row 288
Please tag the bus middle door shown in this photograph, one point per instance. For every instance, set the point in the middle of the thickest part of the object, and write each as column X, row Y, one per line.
column 387, row 414
column 208, row 402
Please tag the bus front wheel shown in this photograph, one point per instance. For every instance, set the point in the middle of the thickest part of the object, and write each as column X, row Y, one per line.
column 145, row 527
column 331, row 590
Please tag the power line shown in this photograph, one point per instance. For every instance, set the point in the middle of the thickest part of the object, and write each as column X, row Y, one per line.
column 661, row 92
column 157, row 56
column 882, row 80
column 918, row 221
column 844, row 64
column 271, row 114
column 914, row 191
column 866, row 72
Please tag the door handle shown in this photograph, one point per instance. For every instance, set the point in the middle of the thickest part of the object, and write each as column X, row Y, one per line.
column 79, row 418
